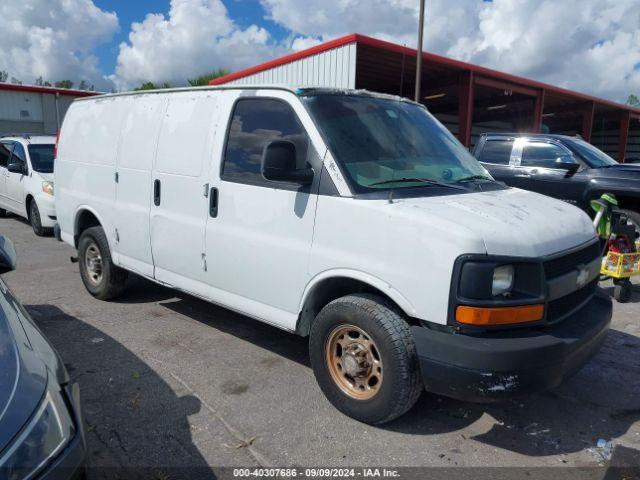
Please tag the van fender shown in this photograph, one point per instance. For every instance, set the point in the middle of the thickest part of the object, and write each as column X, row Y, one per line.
column 76, row 217
column 375, row 282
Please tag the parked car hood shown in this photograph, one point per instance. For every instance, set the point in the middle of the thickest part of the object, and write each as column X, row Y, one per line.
column 23, row 375
column 620, row 170
column 509, row 222
column 46, row 176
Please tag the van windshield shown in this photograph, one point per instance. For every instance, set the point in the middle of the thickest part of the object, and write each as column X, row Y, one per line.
column 390, row 144
column 41, row 157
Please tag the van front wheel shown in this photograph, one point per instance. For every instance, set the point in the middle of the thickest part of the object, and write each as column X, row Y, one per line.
column 100, row 276
column 364, row 358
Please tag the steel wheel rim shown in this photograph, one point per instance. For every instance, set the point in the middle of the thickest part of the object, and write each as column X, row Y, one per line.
column 93, row 263
column 354, row 362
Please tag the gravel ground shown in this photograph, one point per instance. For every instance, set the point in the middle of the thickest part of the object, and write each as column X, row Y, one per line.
column 168, row 381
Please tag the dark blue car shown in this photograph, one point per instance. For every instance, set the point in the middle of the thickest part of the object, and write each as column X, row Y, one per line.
column 41, row 433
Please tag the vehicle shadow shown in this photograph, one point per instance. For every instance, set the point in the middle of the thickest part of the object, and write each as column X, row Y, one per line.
column 287, row 345
column 141, row 290
column 602, row 401
column 136, row 425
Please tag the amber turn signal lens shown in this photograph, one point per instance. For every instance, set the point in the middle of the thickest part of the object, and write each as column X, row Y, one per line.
column 499, row 315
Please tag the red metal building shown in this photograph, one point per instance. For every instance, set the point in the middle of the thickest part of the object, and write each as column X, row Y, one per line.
column 468, row 98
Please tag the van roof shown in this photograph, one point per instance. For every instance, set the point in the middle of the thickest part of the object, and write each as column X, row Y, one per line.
column 301, row 91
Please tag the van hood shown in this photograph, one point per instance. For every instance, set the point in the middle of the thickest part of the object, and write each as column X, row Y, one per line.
column 510, row 222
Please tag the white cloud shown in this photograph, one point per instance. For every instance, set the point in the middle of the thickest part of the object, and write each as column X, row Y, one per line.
column 195, row 36
column 54, row 39
column 587, row 45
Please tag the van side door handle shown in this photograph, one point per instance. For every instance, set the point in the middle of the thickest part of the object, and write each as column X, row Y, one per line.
column 156, row 192
column 213, row 202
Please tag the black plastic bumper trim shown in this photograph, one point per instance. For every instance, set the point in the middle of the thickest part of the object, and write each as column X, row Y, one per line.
column 511, row 363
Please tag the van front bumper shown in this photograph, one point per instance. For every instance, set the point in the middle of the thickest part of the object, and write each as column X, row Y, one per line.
column 512, row 363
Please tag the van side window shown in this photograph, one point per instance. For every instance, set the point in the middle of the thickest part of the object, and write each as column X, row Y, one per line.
column 5, row 153
column 256, row 122
column 496, row 151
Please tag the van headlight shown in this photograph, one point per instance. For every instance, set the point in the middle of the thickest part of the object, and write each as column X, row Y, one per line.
column 47, row 187
column 45, row 436
column 502, row 282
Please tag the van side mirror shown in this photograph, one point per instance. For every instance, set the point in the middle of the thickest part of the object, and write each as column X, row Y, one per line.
column 17, row 167
column 279, row 164
column 7, row 255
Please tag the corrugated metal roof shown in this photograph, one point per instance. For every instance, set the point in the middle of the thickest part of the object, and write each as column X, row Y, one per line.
column 438, row 60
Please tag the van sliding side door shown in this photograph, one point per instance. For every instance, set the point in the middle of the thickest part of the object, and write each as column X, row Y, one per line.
column 178, row 206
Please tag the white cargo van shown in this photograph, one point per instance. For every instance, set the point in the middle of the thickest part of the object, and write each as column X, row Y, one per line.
column 353, row 218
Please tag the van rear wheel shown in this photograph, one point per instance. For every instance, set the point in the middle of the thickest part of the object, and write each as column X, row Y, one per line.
column 364, row 358
column 100, row 276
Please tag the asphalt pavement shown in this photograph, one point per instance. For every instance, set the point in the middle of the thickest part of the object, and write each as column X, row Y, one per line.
column 170, row 381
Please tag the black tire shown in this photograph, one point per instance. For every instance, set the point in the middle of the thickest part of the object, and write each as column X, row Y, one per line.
column 401, row 383
column 622, row 291
column 3, row 213
column 36, row 222
column 110, row 283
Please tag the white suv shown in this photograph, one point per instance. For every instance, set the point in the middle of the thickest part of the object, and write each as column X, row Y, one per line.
column 26, row 180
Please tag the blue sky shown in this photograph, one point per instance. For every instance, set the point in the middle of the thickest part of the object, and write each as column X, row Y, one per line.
column 591, row 46
column 244, row 12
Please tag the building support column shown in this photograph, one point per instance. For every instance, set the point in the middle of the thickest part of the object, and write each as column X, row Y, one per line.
column 587, row 121
column 465, row 108
column 625, row 120
column 538, row 109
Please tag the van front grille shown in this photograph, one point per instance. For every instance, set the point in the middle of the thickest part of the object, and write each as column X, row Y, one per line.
column 561, row 307
column 562, row 264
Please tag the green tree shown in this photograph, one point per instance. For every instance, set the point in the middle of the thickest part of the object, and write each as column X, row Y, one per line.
column 152, row 86
column 207, row 77
column 64, row 84
column 633, row 100
column 15, row 81
column 3, row 76
column 83, row 85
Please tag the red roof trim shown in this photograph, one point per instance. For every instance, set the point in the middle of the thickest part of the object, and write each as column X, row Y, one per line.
column 429, row 57
column 52, row 90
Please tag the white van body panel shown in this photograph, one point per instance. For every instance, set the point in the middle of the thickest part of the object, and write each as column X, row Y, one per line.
column 136, row 154
column 267, row 248
column 87, row 172
column 16, row 188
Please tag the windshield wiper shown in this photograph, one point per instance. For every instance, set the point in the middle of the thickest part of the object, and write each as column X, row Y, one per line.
column 415, row 179
column 470, row 178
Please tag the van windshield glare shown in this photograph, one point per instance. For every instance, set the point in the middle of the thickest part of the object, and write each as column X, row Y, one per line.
column 377, row 140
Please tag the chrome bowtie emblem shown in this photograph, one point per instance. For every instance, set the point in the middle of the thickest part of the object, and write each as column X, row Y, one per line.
column 583, row 276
